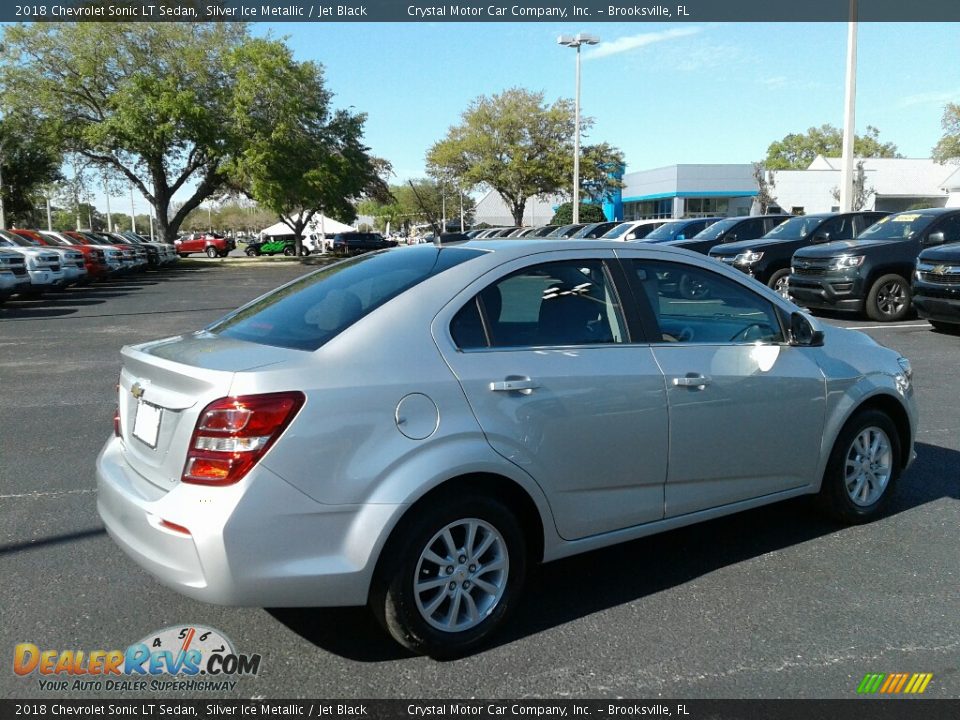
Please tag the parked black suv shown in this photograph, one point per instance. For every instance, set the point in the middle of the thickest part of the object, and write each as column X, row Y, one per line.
column 730, row 230
column 936, row 287
column 768, row 258
column 352, row 243
column 870, row 273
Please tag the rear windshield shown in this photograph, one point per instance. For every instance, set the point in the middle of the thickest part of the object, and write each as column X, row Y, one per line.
column 897, row 227
column 305, row 314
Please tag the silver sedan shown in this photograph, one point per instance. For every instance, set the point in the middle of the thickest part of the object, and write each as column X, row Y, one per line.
column 414, row 429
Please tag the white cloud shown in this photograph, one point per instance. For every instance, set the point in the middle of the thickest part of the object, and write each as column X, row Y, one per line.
column 632, row 42
column 777, row 81
column 935, row 97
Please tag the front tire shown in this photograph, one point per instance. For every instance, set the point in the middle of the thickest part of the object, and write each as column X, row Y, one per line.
column 779, row 283
column 289, row 251
column 863, row 468
column 889, row 299
column 451, row 575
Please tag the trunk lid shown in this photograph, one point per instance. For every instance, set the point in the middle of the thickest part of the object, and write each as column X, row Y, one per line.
column 163, row 387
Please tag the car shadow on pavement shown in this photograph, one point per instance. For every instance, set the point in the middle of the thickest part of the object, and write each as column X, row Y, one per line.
column 33, row 312
column 575, row 587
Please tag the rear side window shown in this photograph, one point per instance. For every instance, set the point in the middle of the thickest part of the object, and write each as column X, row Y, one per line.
column 308, row 312
column 553, row 304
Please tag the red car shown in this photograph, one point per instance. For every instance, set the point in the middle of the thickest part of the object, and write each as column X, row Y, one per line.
column 210, row 243
column 94, row 258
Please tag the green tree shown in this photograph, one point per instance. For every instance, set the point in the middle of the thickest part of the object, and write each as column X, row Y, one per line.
column 588, row 214
column 514, row 142
column 796, row 151
column 948, row 147
column 422, row 200
column 29, row 162
column 298, row 157
column 599, row 166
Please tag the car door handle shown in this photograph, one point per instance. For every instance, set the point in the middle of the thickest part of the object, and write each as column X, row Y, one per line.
column 693, row 380
column 525, row 386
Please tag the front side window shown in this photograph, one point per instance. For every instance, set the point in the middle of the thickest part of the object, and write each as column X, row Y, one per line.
column 691, row 305
column 552, row 304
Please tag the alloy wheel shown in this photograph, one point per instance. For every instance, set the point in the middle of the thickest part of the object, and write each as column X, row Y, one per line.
column 461, row 575
column 868, row 466
column 891, row 298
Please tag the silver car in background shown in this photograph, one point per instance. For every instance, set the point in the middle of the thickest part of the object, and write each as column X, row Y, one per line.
column 413, row 429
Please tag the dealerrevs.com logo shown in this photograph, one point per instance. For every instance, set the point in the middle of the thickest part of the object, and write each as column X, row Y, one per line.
column 189, row 657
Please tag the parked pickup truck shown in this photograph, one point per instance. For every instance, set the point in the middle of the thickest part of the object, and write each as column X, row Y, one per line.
column 210, row 243
column 13, row 273
column 768, row 258
column 872, row 272
column 936, row 287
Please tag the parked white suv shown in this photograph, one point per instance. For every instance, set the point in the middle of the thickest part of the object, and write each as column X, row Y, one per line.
column 44, row 265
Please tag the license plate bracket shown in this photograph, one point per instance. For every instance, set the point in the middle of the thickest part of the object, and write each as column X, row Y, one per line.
column 146, row 424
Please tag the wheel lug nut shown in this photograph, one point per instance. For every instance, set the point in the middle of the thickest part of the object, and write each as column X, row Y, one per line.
column 463, row 558
column 473, row 568
column 466, row 584
column 449, row 569
column 453, row 586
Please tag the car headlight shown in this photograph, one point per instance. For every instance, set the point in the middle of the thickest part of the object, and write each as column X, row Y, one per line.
column 904, row 378
column 845, row 262
column 747, row 258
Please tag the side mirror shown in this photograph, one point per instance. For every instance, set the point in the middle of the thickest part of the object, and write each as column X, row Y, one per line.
column 934, row 238
column 821, row 237
column 802, row 333
column 732, row 237
column 681, row 236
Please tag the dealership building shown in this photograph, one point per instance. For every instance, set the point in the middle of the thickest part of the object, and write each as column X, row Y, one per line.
column 679, row 191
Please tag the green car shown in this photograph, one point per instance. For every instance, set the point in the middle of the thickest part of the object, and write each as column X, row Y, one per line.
column 273, row 247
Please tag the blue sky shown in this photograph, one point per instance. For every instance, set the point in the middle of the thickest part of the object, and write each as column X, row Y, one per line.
column 663, row 93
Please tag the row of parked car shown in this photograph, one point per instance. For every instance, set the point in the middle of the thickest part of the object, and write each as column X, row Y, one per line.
column 33, row 262
column 884, row 265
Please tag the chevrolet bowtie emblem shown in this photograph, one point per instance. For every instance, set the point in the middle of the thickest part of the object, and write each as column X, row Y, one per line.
column 940, row 269
column 136, row 390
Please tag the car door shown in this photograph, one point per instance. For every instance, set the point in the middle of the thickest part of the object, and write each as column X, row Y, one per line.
column 545, row 360
column 746, row 409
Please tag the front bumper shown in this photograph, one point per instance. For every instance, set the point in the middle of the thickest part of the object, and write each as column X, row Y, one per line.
column 46, row 279
column 829, row 291
column 937, row 302
column 259, row 543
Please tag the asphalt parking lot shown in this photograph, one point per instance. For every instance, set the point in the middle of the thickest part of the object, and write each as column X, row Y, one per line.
column 776, row 602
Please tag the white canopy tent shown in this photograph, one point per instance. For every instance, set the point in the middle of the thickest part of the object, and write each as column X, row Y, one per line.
column 318, row 224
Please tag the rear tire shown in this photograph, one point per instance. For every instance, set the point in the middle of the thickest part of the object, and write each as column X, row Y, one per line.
column 289, row 251
column 486, row 566
column 211, row 251
column 863, row 468
column 889, row 299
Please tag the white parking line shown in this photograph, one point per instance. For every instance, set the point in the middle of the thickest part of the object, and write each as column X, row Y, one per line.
column 883, row 327
column 54, row 493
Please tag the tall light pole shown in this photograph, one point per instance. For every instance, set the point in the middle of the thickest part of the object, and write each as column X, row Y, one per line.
column 133, row 217
column 575, row 41
column 850, row 101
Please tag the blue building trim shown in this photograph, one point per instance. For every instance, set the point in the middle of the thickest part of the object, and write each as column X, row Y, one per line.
column 693, row 194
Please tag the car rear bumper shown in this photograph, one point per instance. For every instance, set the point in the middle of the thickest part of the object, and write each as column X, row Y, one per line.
column 258, row 543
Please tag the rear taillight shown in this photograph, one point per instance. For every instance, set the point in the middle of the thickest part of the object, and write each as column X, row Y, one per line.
column 233, row 433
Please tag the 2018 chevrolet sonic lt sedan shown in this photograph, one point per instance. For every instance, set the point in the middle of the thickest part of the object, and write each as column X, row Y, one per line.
column 413, row 429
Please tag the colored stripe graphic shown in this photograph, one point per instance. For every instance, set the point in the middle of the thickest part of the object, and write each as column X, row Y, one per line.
column 894, row 683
